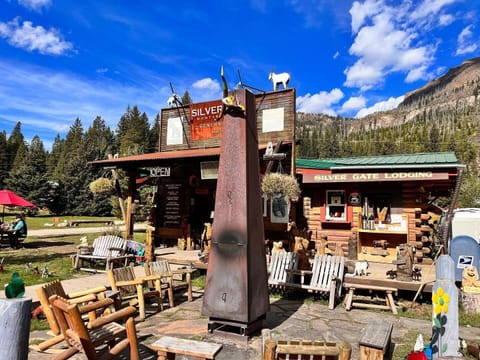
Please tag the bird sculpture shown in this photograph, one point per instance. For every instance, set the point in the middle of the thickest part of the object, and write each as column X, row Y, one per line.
column 16, row 287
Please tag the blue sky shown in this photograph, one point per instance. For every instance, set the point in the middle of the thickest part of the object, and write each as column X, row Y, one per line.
column 63, row 59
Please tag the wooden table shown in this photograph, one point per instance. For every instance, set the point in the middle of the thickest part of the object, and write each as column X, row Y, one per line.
column 168, row 347
column 389, row 303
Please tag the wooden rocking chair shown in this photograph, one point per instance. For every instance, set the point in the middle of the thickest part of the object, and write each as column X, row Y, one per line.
column 134, row 289
column 56, row 288
column 101, row 338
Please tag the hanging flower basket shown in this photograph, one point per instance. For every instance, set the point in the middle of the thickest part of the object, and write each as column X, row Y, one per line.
column 102, row 186
column 275, row 183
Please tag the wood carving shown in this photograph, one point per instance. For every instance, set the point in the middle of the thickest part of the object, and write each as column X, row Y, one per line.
column 301, row 246
column 470, row 277
column 278, row 247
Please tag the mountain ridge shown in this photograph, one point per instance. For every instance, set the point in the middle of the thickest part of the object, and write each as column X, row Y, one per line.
column 456, row 90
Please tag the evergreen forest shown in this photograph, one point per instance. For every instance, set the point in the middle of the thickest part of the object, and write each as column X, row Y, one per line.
column 58, row 180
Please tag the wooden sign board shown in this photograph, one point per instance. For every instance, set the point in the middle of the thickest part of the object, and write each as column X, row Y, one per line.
column 201, row 128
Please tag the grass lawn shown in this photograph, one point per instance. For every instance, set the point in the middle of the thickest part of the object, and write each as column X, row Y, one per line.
column 53, row 252
column 42, row 222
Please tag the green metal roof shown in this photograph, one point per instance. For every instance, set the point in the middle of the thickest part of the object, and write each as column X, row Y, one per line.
column 399, row 160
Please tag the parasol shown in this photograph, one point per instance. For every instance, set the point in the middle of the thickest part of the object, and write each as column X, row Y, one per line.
column 9, row 198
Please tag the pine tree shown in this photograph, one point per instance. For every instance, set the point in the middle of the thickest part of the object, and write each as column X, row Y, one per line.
column 99, row 140
column 15, row 140
column 54, row 156
column 73, row 173
column 3, row 158
column 99, row 144
column 186, row 99
column 433, row 145
column 154, row 135
column 29, row 178
column 133, row 132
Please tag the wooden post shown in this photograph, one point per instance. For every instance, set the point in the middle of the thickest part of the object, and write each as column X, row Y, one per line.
column 14, row 328
column 344, row 351
column 353, row 247
column 268, row 345
column 149, row 243
column 269, row 350
column 132, row 186
column 445, row 310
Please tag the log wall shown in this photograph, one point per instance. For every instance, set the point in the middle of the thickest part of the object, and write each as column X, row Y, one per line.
column 421, row 224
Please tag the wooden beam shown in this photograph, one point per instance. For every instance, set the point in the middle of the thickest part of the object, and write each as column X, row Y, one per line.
column 275, row 151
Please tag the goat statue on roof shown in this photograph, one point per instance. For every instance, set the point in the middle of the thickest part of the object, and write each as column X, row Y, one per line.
column 173, row 100
column 276, row 79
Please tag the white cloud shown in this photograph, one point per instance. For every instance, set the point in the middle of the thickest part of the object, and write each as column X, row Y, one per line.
column 207, row 84
column 363, row 76
column 205, row 89
column 430, row 7
column 445, row 19
column 465, row 45
column 389, row 104
column 354, row 103
column 34, row 38
column 49, row 100
column 393, row 38
column 319, row 103
column 36, row 5
column 361, row 11
column 336, row 55
column 419, row 73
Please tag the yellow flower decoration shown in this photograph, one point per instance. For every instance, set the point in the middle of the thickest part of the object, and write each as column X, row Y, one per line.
column 440, row 301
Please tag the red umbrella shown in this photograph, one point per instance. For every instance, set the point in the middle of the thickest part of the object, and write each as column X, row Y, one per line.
column 9, row 198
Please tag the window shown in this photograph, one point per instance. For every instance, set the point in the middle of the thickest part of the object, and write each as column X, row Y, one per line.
column 335, row 208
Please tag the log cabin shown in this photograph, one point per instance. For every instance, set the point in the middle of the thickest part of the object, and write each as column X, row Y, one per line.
column 368, row 206
column 362, row 207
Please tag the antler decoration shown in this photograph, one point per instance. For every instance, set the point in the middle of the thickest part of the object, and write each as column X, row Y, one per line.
column 230, row 104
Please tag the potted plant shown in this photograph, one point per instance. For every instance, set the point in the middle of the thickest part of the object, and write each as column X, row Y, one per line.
column 281, row 184
column 102, row 186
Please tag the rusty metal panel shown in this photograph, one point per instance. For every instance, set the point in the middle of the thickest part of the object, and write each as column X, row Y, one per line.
column 236, row 286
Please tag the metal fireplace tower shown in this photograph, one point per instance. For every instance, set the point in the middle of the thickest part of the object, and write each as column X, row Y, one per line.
column 236, row 293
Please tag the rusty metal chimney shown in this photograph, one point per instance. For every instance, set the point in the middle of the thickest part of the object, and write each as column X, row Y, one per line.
column 236, row 292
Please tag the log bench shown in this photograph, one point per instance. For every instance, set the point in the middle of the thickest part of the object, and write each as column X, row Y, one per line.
column 375, row 341
column 168, row 347
column 79, row 222
column 389, row 303
column 303, row 348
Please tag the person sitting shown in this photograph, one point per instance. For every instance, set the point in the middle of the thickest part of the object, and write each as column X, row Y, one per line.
column 19, row 231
